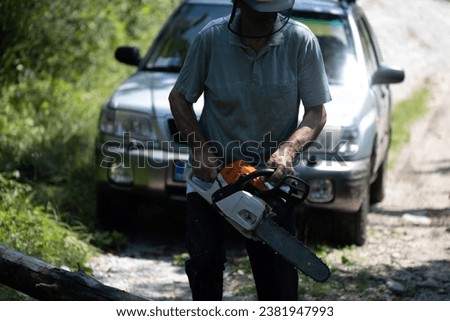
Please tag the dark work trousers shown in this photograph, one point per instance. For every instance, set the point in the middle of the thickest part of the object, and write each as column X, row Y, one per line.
column 275, row 278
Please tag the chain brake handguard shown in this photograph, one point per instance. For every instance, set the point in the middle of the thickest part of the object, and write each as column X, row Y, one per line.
column 289, row 187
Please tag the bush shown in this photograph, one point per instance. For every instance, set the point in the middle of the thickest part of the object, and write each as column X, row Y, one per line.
column 57, row 67
column 38, row 230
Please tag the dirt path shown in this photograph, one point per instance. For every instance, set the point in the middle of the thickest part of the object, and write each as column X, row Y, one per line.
column 417, row 40
column 407, row 256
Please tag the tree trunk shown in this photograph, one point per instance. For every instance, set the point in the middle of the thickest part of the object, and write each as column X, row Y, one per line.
column 43, row 281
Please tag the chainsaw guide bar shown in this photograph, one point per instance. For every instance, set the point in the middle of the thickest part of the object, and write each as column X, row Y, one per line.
column 289, row 247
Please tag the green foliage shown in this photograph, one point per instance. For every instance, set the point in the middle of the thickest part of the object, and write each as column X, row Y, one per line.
column 64, row 38
column 359, row 282
column 8, row 294
column 242, row 275
column 112, row 240
column 57, row 67
column 48, row 133
column 180, row 259
column 37, row 134
column 404, row 115
column 38, row 230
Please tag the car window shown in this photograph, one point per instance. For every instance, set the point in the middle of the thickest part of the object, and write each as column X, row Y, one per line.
column 169, row 51
column 335, row 43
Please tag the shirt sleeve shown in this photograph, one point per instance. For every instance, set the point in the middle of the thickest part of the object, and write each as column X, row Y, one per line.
column 313, row 81
column 192, row 76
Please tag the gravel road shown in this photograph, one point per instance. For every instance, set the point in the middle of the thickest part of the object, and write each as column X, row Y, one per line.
column 407, row 255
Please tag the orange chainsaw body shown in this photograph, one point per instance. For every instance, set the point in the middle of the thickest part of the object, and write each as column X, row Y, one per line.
column 232, row 172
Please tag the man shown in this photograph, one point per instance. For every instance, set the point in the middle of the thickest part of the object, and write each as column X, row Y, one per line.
column 254, row 68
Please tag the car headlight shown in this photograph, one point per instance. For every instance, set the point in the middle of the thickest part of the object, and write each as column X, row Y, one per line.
column 119, row 122
column 349, row 141
column 321, row 191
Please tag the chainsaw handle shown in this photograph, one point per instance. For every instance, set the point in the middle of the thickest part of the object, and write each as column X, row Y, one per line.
column 298, row 189
column 243, row 180
column 206, row 190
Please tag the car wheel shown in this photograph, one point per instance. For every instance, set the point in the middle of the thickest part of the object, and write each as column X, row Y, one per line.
column 351, row 228
column 313, row 225
column 377, row 187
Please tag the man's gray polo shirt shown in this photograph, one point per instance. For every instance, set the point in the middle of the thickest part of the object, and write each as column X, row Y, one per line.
column 252, row 99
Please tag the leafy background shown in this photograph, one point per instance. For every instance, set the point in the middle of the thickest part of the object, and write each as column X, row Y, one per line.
column 56, row 68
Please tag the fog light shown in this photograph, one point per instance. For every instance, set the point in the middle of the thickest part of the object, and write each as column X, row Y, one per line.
column 120, row 174
column 321, row 191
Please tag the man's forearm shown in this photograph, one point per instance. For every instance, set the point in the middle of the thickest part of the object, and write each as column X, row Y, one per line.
column 186, row 120
column 312, row 124
column 205, row 161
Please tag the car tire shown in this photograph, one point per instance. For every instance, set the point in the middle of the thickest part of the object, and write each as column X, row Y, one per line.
column 351, row 228
column 377, row 187
column 313, row 225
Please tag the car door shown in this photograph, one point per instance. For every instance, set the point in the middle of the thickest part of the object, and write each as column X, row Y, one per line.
column 380, row 94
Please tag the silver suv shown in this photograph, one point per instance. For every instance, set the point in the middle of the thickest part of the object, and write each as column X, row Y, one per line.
column 140, row 152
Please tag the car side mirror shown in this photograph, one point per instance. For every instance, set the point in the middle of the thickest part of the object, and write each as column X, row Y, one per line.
column 128, row 55
column 388, row 75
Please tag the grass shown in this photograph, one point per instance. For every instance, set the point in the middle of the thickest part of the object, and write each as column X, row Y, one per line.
column 405, row 113
column 39, row 230
column 308, row 289
column 349, row 280
column 8, row 294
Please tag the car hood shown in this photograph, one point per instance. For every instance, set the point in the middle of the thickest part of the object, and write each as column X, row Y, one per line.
column 345, row 107
column 148, row 92
column 145, row 92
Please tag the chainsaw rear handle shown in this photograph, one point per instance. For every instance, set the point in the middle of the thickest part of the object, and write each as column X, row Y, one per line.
column 206, row 190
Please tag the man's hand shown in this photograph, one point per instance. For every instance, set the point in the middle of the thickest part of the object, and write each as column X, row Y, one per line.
column 282, row 161
column 205, row 164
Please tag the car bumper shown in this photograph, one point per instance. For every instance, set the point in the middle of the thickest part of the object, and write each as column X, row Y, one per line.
column 149, row 172
column 336, row 185
column 161, row 174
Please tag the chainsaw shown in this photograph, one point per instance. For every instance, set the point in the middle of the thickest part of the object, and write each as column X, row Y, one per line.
column 243, row 196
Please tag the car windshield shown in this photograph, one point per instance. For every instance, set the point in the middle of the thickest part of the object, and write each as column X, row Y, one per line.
column 335, row 43
column 170, row 48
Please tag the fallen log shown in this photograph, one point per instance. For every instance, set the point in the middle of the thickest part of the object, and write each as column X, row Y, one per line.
column 43, row 281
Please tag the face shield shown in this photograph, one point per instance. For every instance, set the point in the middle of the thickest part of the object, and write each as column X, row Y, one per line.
column 279, row 10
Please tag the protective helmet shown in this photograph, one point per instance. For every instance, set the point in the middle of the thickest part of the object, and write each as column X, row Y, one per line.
column 269, row 5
